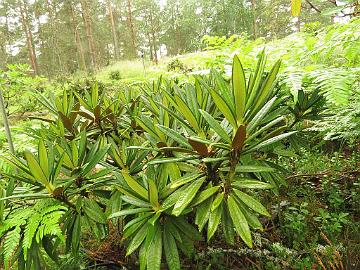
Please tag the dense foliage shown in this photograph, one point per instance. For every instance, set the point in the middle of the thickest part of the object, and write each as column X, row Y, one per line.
column 242, row 156
column 65, row 37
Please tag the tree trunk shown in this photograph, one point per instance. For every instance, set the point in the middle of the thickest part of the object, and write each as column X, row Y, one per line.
column 79, row 46
column 113, row 29
column 153, row 37
column 298, row 24
column 51, row 9
column 253, row 8
column 89, row 33
column 7, row 41
column 150, row 46
column 132, row 28
column 29, row 37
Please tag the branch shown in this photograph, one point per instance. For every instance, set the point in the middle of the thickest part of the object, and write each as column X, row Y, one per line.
column 313, row 7
column 322, row 174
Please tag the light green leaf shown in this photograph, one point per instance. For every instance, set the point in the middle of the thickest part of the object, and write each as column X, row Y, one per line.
column 239, row 89
column 216, row 126
column 214, row 221
column 137, row 240
column 36, row 170
column 171, row 251
column 187, row 196
column 239, row 220
column 203, row 195
column 250, row 183
column 153, row 194
column 94, row 211
column 134, row 185
column 218, row 200
column 223, row 108
column 251, row 202
column 155, row 251
column 129, row 212
column 43, row 158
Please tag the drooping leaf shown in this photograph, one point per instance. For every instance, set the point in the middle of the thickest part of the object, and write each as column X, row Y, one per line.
column 171, row 251
column 214, row 221
column 239, row 220
column 215, row 126
column 251, row 203
column 187, row 196
column 155, row 251
column 134, row 185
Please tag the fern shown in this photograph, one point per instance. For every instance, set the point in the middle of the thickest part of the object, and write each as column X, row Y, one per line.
column 30, row 231
column 11, row 243
column 24, row 226
column 336, row 84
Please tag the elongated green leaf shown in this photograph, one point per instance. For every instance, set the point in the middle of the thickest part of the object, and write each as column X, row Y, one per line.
column 272, row 140
column 254, row 88
column 239, row 220
column 214, row 221
column 153, row 194
column 35, row 169
column 239, row 89
column 251, row 202
column 94, row 211
column 76, row 234
column 171, row 251
column 171, row 160
column 250, row 168
column 135, row 201
column 203, row 213
column 227, row 225
column 266, row 127
column 174, row 135
column 171, row 228
column 183, row 180
column 95, row 160
column 249, row 183
column 215, row 126
column 186, row 112
column 260, row 115
column 203, row 195
column 43, row 158
column 187, row 196
column 251, row 218
column 218, row 200
column 137, row 240
column 138, row 219
column 134, row 185
column 224, row 108
column 148, row 126
column 129, row 212
column 134, row 228
column 155, row 251
column 268, row 85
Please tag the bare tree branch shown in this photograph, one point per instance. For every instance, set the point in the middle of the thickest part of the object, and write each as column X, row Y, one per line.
column 313, row 7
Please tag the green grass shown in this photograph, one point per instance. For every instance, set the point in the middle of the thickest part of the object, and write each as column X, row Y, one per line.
column 130, row 70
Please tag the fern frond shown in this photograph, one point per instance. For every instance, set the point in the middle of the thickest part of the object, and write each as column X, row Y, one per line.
column 5, row 226
column 30, row 231
column 336, row 84
column 11, row 243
